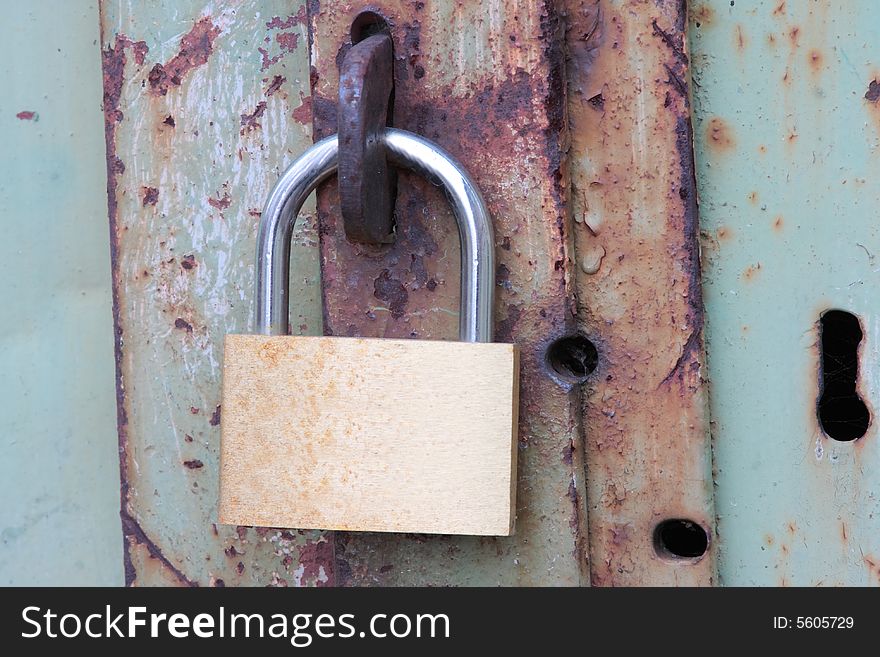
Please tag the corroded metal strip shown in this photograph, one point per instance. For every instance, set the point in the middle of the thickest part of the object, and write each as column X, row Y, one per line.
column 485, row 81
column 200, row 110
column 638, row 288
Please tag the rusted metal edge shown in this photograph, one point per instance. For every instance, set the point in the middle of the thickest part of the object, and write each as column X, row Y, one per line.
column 637, row 210
column 694, row 346
column 133, row 532
column 113, row 61
column 557, row 135
column 194, row 50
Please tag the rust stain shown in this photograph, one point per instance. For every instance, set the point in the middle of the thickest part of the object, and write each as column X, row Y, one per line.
column 794, row 35
column 303, row 113
column 188, row 262
column 277, row 23
column 149, row 196
column 873, row 564
column 250, row 120
column 194, row 464
column 195, row 48
column 719, row 135
column 140, row 50
column 27, row 115
column 392, row 292
column 215, row 417
column 723, row 233
column 287, row 42
column 753, row 197
column 268, row 62
column 780, row 9
column 872, row 95
column 814, row 58
column 221, row 202
column 778, row 223
column 275, row 85
column 751, row 272
column 702, row 14
column 740, row 38
column 317, row 558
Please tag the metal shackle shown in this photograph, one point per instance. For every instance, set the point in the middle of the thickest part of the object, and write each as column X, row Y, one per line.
column 404, row 149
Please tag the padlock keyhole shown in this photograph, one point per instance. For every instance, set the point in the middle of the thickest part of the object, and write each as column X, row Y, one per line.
column 842, row 414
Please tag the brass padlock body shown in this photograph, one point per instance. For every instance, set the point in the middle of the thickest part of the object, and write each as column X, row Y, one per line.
column 308, row 442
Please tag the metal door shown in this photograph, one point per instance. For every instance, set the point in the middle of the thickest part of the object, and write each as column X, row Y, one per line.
column 633, row 154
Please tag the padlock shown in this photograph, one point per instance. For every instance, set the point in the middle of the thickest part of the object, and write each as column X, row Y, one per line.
column 369, row 434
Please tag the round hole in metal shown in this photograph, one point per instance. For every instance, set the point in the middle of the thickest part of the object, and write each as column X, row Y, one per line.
column 573, row 357
column 679, row 538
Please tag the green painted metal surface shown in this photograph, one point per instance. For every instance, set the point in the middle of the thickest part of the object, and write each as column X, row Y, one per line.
column 201, row 103
column 205, row 104
column 59, row 475
column 787, row 134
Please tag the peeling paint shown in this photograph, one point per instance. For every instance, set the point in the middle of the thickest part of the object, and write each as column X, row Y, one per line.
column 182, row 221
column 195, row 48
column 645, row 417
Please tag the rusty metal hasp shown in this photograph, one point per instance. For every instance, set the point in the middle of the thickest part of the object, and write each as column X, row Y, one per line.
column 367, row 184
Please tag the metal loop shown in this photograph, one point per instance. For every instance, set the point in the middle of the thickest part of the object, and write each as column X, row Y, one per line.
column 404, row 149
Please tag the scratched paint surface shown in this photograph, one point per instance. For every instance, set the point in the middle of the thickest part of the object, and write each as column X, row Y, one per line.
column 200, row 100
column 195, row 110
column 485, row 81
column 787, row 135
column 638, row 288
column 59, row 521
